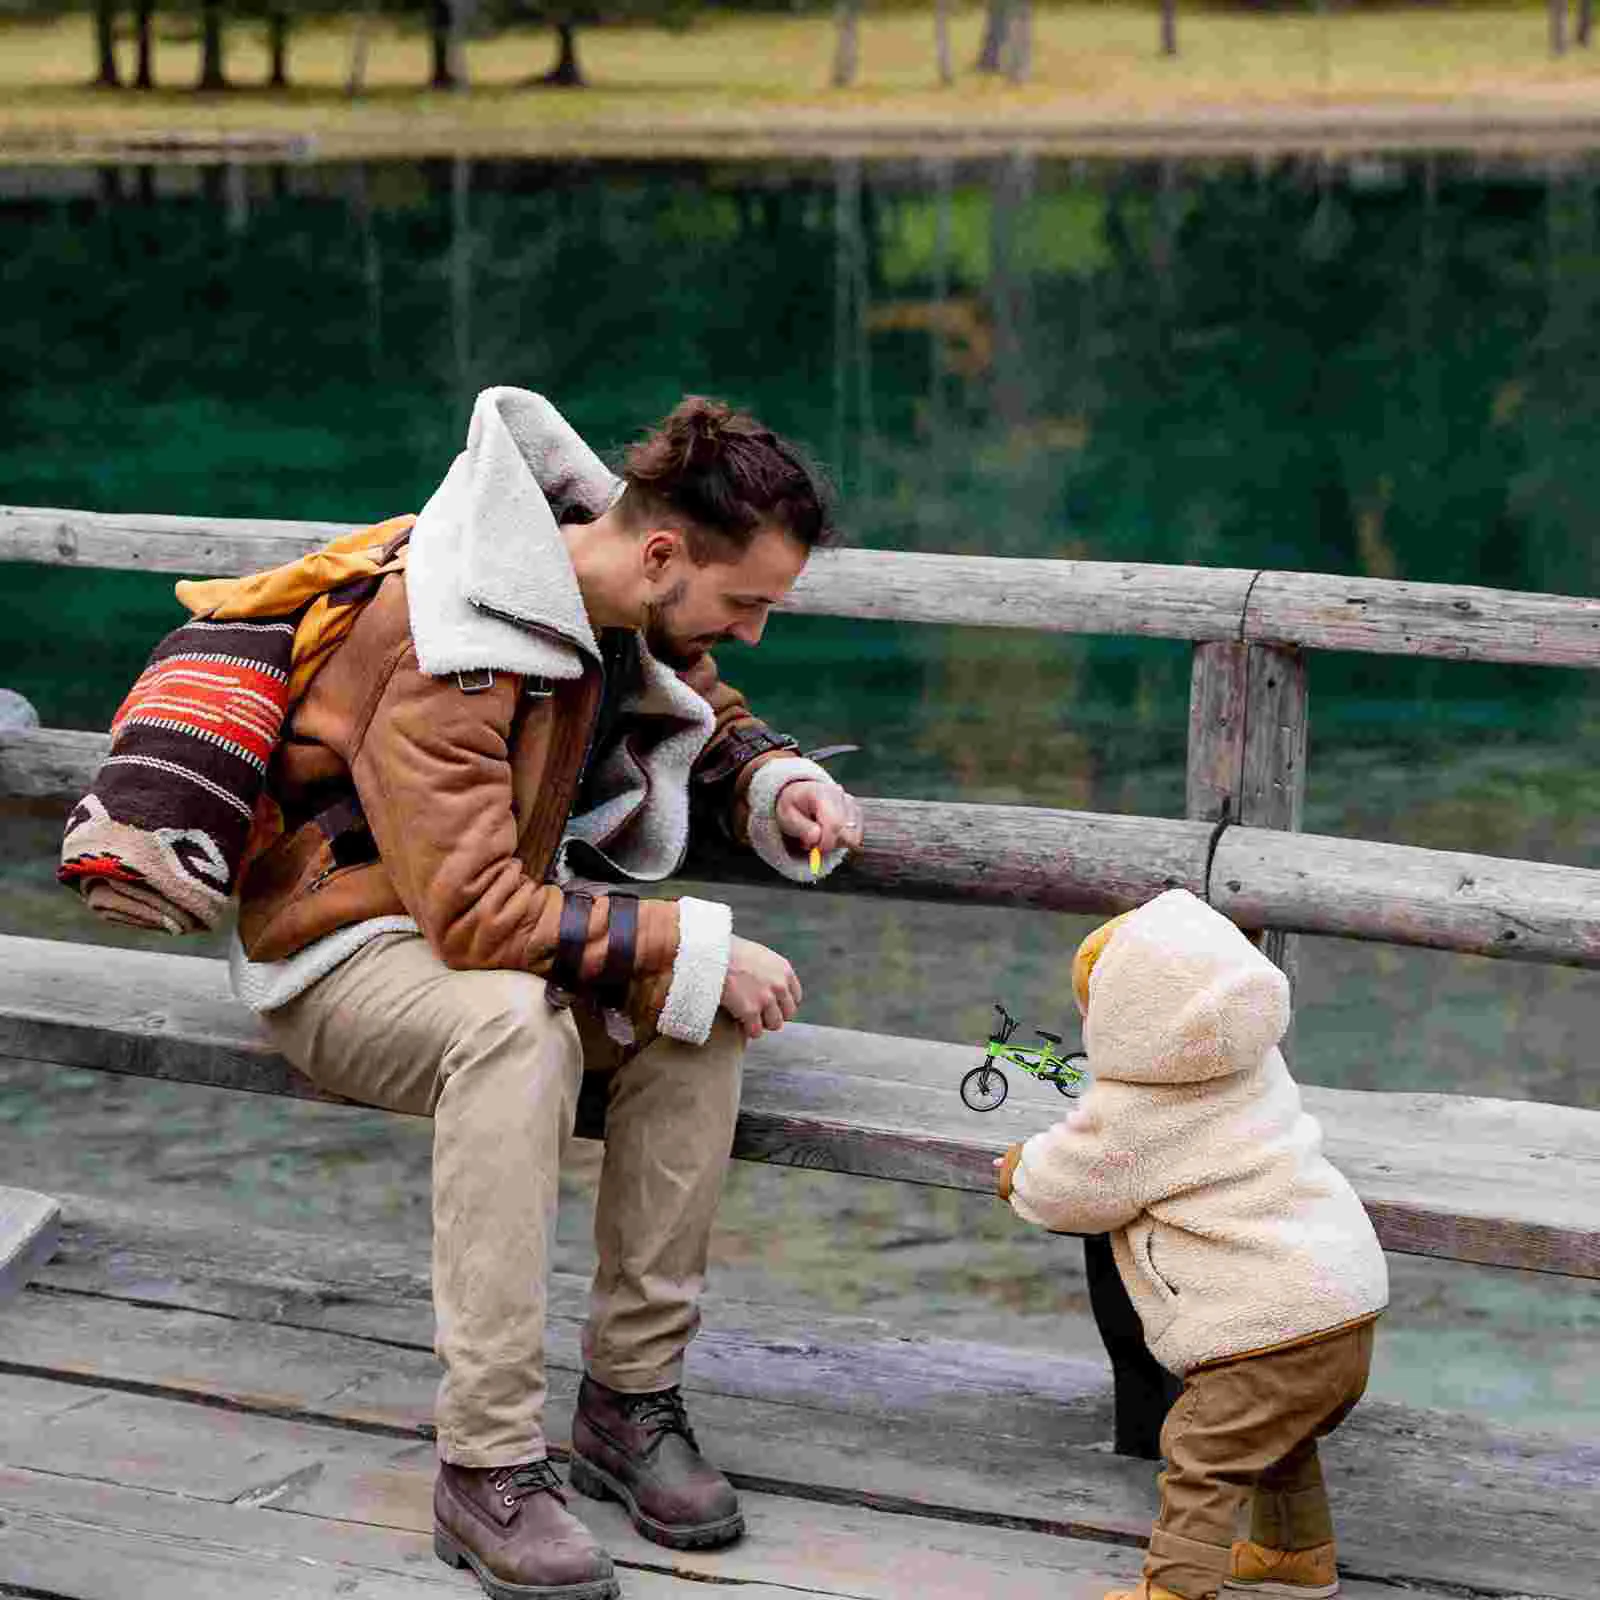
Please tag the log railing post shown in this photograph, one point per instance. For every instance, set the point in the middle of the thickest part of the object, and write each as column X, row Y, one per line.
column 1247, row 746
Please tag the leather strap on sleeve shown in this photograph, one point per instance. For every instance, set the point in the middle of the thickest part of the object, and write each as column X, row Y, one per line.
column 566, row 971
column 622, row 939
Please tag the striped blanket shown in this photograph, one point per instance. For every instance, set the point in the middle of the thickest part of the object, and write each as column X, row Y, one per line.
column 159, row 840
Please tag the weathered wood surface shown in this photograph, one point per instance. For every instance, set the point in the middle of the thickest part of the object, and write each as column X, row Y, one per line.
column 1247, row 747
column 1315, row 610
column 30, row 1225
column 1087, row 861
column 1443, row 899
column 305, row 1383
column 1505, row 1183
column 1323, row 611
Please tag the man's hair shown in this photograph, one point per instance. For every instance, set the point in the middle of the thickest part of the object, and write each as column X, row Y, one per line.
column 720, row 476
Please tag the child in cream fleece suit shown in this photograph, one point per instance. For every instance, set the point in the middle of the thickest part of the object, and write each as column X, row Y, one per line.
column 1250, row 1260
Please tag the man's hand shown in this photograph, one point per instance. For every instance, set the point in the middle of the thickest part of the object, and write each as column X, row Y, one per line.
column 817, row 815
column 761, row 992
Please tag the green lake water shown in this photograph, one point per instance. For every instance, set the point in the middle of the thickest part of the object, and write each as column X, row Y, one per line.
column 1387, row 367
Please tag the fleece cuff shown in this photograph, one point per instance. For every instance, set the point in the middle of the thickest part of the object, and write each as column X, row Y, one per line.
column 767, row 839
column 705, row 942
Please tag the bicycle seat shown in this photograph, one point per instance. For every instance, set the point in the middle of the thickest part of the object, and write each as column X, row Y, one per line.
column 1054, row 1038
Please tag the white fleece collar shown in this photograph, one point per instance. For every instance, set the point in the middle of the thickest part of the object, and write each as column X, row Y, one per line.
column 489, row 580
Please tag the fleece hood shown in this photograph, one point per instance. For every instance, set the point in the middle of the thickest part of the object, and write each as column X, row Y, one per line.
column 1179, row 995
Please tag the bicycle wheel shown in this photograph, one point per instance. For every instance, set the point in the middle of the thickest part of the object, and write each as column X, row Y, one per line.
column 1072, row 1077
column 984, row 1087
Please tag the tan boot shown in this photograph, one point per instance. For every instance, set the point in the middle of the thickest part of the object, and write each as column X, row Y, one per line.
column 1146, row 1591
column 511, row 1526
column 1301, row 1574
column 640, row 1449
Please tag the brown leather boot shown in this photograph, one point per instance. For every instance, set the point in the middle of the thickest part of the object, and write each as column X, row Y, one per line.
column 512, row 1527
column 640, row 1449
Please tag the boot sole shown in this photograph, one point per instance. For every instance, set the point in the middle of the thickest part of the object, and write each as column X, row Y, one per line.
column 453, row 1553
column 1294, row 1591
column 598, row 1484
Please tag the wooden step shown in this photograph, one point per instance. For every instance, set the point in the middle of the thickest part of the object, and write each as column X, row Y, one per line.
column 1500, row 1182
column 30, row 1226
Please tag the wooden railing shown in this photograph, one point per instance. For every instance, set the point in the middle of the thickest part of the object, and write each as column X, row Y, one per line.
column 1503, row 1202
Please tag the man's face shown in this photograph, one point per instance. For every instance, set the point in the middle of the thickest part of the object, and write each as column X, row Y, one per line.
column 699, row 607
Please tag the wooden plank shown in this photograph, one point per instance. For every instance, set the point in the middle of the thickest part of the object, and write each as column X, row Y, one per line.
column 1440, row 899
column 1423, row 1498
column 49, row 763
column 1512, row 1193
column 190, row 546
column 30, row 1228
column 1455, row 622
column 355, row 1481
column 1316, row 610
column 78, row 1539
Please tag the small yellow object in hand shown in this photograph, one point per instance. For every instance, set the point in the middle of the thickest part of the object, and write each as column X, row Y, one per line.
column 816, row 861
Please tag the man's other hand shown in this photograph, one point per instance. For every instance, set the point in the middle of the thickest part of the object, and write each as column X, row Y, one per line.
column 761, row 991
column 817, row 815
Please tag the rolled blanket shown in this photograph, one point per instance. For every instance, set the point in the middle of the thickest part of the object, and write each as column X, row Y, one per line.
column 159, row 839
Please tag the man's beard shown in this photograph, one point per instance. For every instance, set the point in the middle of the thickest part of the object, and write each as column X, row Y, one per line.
column 662, row 641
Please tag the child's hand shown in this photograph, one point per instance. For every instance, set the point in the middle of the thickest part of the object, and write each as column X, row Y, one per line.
column 1005, row 1168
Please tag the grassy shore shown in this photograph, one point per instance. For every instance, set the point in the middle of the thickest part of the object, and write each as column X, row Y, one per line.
column 753, row 84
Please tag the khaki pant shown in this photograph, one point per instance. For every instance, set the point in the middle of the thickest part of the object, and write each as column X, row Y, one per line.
column 499, row 1069
column 1250, row 1427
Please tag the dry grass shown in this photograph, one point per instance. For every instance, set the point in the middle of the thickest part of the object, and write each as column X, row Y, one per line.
column 765, row 79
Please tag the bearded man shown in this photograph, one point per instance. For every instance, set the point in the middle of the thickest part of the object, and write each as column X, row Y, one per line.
column 525, row 713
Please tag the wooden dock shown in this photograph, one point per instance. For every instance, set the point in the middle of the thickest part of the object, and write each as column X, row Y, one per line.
column 195, row 1407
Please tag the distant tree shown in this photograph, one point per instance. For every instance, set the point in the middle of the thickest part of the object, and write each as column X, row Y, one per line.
column 279, row 23
column 847, row 43
column 105, row 43
column 567, row 17
column 213, row 76
column 1007, row 44
column 144, row 14
column 941, row 41
column 1169, row 27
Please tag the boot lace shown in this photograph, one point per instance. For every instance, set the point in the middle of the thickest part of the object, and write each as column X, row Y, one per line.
column 516, row 1484
column 662, row 1414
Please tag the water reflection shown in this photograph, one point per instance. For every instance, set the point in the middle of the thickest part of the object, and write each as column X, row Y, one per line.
column 1386, row 367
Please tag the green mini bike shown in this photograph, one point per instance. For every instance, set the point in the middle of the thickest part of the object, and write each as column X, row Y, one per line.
column 985, row 1086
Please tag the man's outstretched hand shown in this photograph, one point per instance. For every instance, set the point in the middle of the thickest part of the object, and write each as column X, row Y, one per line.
column 821, row 816
column 761, row 991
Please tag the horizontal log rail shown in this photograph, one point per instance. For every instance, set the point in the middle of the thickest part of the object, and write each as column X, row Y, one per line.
column 1307, row 609
column 1499, row 1182
column 1094, row 862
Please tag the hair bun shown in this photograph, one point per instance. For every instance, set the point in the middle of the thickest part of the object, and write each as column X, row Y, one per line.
column 704, row 424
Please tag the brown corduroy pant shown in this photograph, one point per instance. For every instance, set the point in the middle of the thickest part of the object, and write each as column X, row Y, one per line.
column 499, row 1069
column 1250, row 1428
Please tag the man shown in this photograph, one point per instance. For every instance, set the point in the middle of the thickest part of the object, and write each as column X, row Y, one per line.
column 529, row 707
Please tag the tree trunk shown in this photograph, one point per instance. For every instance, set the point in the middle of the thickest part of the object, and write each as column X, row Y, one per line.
column 1585, row 23
column 144, row 13
column 847, row 47
column 1558, row 27
column 1019, row 41
column 566, row 73
column 941, row 32
column 439, row 31
column 212, row 75
column 105, row 45
column 278, row 47
column 360, row 45
column 996, row 30
column 1169, row 27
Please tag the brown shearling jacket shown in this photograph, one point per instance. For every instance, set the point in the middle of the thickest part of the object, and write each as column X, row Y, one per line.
column 434, row 798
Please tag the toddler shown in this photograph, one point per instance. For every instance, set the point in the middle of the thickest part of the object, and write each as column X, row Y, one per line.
column 1252, row 1264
